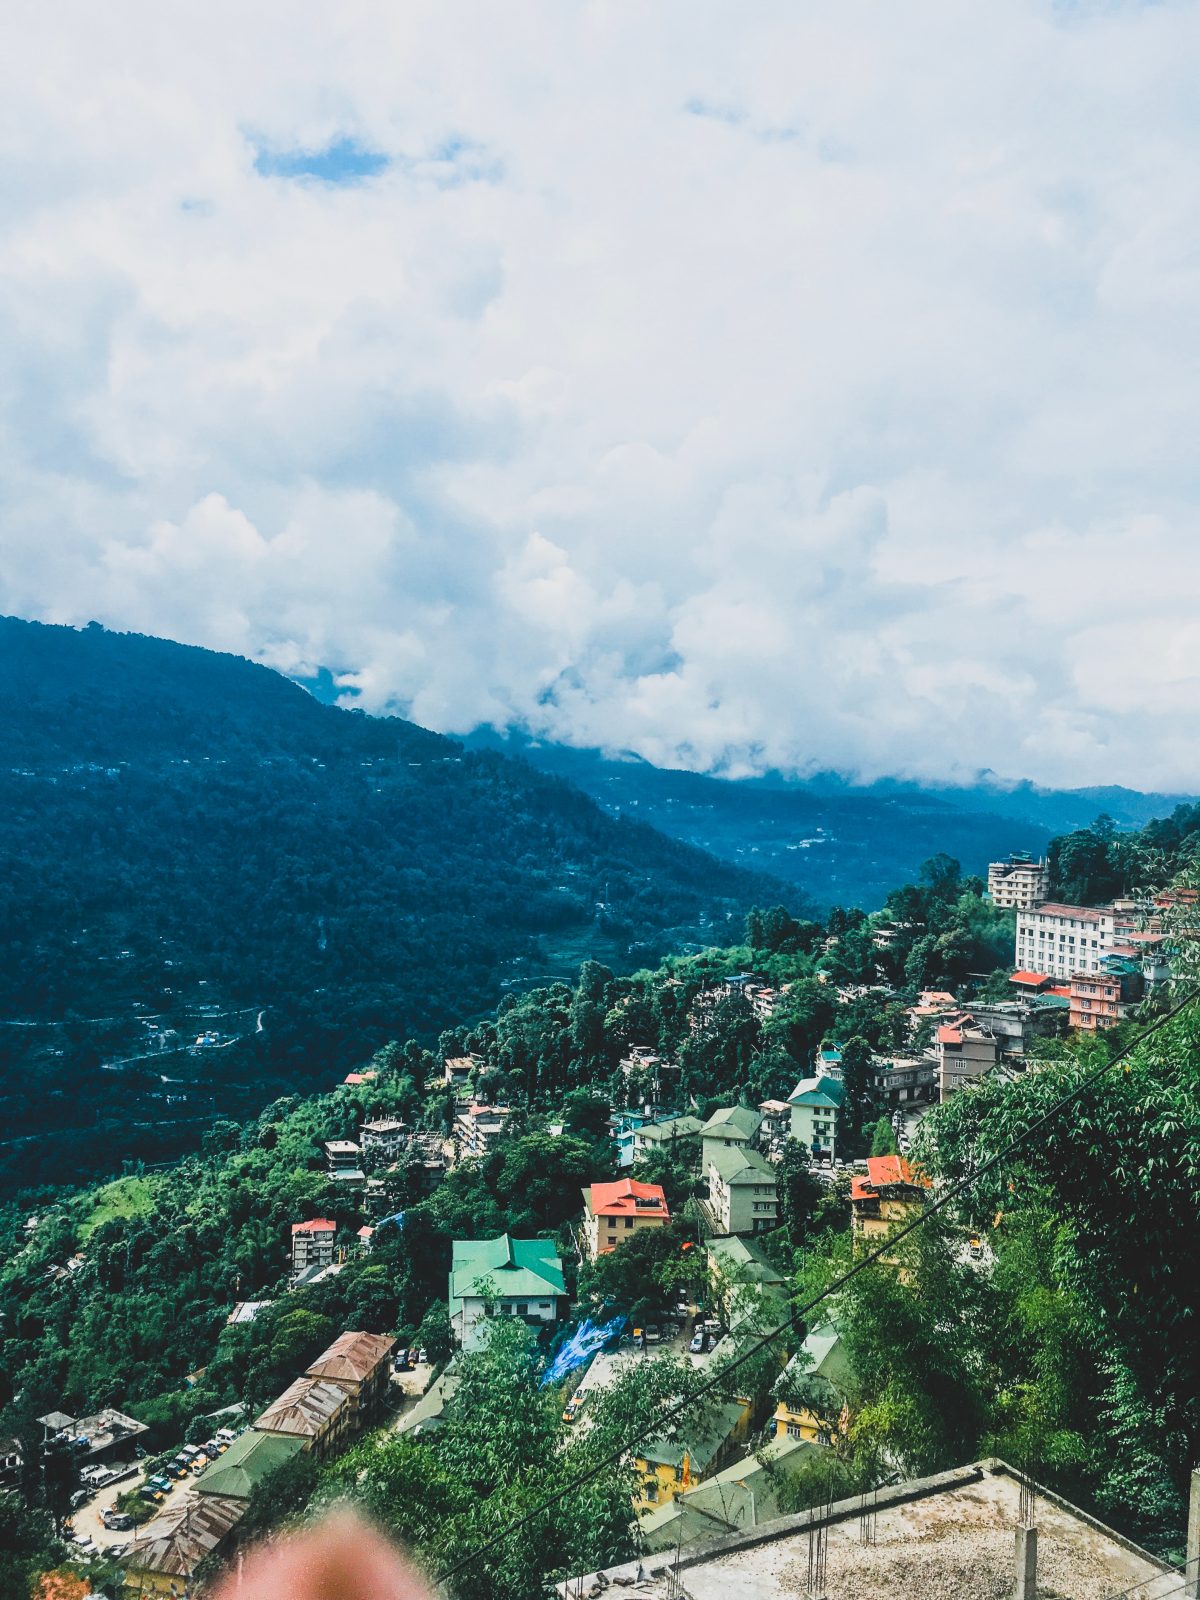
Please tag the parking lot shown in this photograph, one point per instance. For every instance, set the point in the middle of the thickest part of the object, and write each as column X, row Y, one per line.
column 608, row 1365
column 408, row 1387
column 85, row 1519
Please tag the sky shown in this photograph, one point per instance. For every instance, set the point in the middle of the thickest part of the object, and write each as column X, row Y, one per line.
column 787, row 385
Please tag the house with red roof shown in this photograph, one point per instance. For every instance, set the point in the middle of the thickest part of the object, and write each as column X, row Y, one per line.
column 312, row 1244
column 614, row 1212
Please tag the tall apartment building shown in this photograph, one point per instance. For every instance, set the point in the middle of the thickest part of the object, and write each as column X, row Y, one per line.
column 1060, row 939
column 312, row 1244
column 1017, row 884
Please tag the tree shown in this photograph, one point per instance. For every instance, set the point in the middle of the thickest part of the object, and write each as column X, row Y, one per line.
column 28, row 1545
column 858, row 1075
column 799, row 1191
column 495, row 1460
column 643, row 1275
column 942, row 873
column 883, row 1139
column 433, row 1336
column 1094, row 1203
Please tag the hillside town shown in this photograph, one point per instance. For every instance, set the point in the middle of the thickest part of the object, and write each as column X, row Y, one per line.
column 671, row 1258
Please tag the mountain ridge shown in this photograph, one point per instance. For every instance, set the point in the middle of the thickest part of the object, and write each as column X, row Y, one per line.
column 183, row 831
column 838, row 840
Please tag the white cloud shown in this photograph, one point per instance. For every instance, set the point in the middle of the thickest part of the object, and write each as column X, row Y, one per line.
column 785, row 386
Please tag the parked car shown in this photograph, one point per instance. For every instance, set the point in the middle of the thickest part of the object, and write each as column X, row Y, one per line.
column 699, row 1342
column 574, row 1406
column 422, row 1357
column 117, row 1521
column 228, row 1435
column 176, row 1469
column 150, row 1493
column 161, row 1481
column 85, row 1544
column 653, row 1333
column 975, row 1248
column 80, row 1497
column 114, row 1552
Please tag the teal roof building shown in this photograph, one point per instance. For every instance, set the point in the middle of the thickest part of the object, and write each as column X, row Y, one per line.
column 503, row 1277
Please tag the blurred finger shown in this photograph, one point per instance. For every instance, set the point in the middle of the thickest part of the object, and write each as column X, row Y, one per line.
column 340, row 1559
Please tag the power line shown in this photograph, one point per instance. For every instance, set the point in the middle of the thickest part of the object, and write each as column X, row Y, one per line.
column 1145, row 1583
column 720, row 1379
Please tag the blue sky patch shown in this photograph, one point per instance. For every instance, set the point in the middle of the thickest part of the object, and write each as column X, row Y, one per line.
column 343, row 161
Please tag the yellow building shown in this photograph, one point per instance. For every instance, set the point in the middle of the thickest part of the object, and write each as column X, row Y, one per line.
column 813, row 1389
column 891, row 1193
column 614, row 1212
column 668, row 1466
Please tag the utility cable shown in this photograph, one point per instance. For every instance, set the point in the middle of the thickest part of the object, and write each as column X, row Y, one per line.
column 720, row 1379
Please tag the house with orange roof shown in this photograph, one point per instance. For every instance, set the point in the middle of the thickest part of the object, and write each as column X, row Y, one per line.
column 889, row 1194
column 614, row 1212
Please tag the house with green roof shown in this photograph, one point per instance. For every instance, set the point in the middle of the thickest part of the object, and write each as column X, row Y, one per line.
column 742, row 1196
column 730, row 1128
column 251, row 1457
column 504, row 1277
column 734, row 1261
column 681, row 1134
column 815, row 1104
column 813, row 1388
column 742, row 1495
column 701, row 1448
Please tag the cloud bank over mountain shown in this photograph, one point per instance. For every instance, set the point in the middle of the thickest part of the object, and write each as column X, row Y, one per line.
column 744, row 386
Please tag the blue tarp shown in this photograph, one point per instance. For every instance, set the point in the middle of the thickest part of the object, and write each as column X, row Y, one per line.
column 581, row 1346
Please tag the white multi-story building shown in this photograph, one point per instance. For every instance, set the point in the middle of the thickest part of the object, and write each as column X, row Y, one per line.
column 1017, row 884
column 1059, row 939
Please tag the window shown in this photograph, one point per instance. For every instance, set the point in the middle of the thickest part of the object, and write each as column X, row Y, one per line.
column 629, row 1222
column 793, row 1431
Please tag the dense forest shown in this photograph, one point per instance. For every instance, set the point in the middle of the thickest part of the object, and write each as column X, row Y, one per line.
column 182, row 830
column 1092, row 865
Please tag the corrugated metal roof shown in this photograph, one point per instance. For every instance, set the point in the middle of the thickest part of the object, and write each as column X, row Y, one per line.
column 179, row 1538
column 305, row 1408
column 352, row 1357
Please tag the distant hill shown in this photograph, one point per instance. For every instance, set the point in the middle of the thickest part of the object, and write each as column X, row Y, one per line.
column 187, row 839
column 842, row 843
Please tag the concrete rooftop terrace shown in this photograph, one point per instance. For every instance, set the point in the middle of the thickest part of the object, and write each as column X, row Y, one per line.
column 950, row 1537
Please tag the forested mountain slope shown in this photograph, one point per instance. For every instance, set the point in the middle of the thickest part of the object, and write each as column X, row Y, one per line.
column 183, row 833
column 841, row 842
